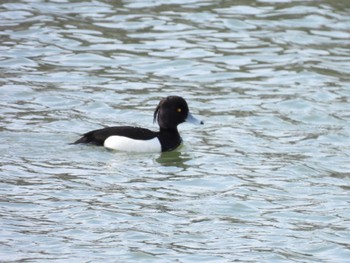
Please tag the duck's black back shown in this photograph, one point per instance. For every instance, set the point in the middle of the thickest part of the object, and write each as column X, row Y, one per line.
column 97, row 137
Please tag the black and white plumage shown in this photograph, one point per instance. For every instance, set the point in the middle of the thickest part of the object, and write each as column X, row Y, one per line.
column 170, row 112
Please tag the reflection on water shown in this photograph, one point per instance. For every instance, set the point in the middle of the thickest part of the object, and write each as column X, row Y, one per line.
column 266, row 177
column 174, row 159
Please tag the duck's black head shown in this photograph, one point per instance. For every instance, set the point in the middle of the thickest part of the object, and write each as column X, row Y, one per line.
column 171, row 111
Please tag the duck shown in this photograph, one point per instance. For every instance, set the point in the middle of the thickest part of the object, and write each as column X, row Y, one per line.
column 170, row 112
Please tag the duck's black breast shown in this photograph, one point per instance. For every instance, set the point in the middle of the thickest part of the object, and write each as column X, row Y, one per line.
column 97, row 137
column 169, row 139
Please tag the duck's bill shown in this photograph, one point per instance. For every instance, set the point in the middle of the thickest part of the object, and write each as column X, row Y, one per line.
column 193, row 120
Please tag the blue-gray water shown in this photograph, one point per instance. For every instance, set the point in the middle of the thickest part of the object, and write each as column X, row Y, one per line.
column 266, row 179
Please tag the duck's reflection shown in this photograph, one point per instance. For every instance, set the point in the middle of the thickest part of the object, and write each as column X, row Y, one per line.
column 174, row 158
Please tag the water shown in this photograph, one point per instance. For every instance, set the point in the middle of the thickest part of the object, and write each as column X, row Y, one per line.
column 266, row 179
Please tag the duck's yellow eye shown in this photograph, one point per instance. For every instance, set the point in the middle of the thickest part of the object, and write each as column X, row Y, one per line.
column 178, row 109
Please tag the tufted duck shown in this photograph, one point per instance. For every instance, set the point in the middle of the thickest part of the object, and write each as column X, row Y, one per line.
column 170, row 112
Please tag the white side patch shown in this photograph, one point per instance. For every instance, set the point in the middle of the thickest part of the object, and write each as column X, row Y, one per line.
column 126, row 144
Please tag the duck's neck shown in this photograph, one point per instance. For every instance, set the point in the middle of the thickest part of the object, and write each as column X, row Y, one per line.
column 169, row 138
column 168, row 130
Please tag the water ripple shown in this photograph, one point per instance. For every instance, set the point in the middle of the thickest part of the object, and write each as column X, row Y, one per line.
column 266, row 177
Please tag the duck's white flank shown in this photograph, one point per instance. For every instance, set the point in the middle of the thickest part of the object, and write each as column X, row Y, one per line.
column 126, row 144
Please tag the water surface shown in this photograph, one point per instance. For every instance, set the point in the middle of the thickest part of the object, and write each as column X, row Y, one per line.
column 266, row 179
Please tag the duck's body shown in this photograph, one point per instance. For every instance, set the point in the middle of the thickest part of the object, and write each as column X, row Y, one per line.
column 133, row 139
column 169, row 113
